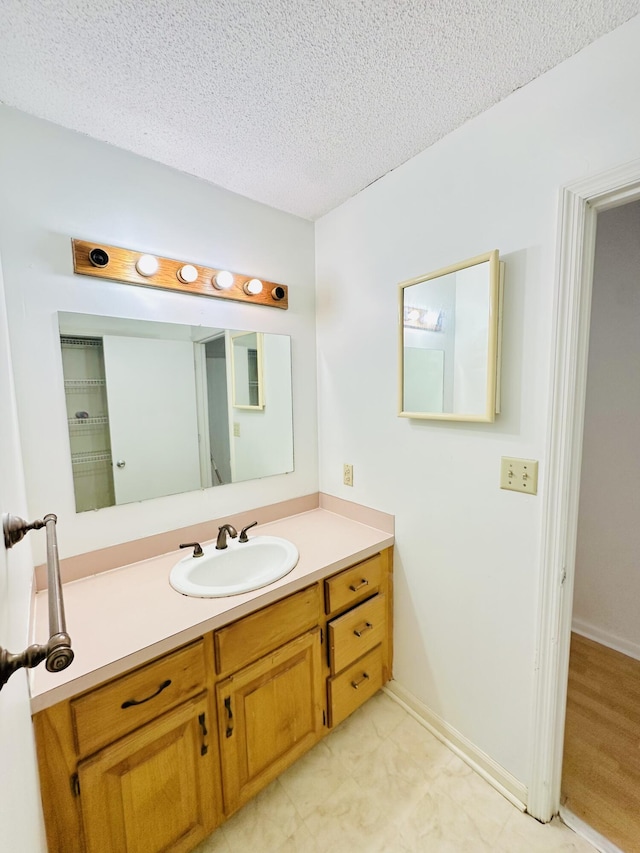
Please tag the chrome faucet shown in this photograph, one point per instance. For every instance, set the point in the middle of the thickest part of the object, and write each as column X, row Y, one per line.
column 221, row 541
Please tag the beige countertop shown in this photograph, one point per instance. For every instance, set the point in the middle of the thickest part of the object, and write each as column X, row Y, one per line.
column 124, row 617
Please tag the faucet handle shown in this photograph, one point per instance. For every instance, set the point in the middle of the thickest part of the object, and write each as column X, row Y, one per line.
column 243, row 532
column 197, row 548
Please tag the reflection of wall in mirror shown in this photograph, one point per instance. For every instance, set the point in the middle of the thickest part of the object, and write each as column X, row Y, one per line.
column 218, row 411
column 246, row 361
column 423, row 380
column 471, row 340
column 263, row 446
column 437, row 295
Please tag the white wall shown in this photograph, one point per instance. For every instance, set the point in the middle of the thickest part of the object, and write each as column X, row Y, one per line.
column 218, row 412
column 607, row 582
column 56, row 185
column 264, row 444
column 468, row 554
column 472, row 339
column 21, row 826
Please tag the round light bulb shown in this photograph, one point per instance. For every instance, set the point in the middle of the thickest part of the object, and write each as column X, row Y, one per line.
column 147, row 265
column 253, row 287
column 188, row 273
column 223, row 280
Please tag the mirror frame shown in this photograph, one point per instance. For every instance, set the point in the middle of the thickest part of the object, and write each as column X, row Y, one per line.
column 492, row 396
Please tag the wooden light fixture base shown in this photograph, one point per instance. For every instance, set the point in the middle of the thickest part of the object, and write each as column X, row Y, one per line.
column 121, row 266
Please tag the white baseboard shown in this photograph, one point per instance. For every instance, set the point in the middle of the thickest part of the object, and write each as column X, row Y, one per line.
column 611, row 641
column 478, row 760
column 588, row 832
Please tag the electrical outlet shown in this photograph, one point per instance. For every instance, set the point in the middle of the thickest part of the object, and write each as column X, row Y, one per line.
column 347, row 475
column 519, row 475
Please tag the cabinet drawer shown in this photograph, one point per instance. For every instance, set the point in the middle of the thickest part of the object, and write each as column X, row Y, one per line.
column 354, row 584
column 355, row 632
column 254, row 636
column 105, row 714
column 354, row 686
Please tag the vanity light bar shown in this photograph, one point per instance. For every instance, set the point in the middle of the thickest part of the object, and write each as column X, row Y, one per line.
column 132, row 267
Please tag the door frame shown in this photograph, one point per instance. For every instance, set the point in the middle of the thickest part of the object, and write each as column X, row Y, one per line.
column 580, row 202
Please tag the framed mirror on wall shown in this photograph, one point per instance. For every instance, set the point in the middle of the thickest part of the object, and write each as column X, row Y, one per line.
column 449, row 342
column 151, row 407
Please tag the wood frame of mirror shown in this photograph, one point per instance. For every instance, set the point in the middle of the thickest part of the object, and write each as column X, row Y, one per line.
column 491, row 397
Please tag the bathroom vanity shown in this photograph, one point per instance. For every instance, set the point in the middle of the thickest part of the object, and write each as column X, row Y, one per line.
column 156, row 756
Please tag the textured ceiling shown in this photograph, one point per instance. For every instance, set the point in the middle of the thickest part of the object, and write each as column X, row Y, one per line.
column 296, row 103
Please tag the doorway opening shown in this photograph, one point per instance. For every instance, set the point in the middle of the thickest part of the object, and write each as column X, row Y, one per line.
column 601, row 760
column 581, row 203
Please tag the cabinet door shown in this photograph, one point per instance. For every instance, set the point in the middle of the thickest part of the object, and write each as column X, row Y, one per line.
column 153, row 790
column 269, row 714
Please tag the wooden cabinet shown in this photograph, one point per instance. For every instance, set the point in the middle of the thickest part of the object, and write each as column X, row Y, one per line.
column 132, row 766
column 267, row 629
column 358, row 602
column 123, row 705
column 356, row 632
column 270, row 713
column 355, row 684
column 154, row 789
column 357, row 583
column 154, row 760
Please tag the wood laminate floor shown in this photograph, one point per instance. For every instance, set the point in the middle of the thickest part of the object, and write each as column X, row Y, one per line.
column 601, row 767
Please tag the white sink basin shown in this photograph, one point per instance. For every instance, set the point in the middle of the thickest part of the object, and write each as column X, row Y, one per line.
column 240, row 567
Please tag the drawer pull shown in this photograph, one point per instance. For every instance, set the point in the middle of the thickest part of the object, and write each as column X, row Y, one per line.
column 227, row 705
column 356, row 587
column 203, row 747
column 360, row 631
column 356, row 684
column 130, row 702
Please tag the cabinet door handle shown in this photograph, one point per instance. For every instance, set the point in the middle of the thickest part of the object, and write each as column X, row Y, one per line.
column 360, row 631
column 356, row 684
column 356, row 587
column 203, row 725
column 227, row 705
column 131, row 702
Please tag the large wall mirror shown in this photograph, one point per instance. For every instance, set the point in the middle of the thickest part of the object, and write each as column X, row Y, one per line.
column 449, row 342
column 156, row 409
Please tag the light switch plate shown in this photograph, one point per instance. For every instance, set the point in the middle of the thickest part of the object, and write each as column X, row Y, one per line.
column 519, row 475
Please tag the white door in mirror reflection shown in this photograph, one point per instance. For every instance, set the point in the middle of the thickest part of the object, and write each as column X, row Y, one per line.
column 151, row 396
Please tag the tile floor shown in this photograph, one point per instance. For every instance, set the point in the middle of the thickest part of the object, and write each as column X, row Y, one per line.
column 382, row 782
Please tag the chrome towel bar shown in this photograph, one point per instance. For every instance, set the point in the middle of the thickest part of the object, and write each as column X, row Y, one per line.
column 57, row 651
